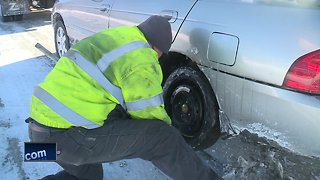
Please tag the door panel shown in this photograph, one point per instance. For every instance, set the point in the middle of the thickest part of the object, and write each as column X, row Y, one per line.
column 128, row 12
column 86, row 17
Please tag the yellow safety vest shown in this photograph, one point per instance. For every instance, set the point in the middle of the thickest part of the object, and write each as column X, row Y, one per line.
column 114, row 66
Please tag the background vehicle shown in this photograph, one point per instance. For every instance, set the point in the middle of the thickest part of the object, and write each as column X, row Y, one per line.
column 15, row 9
column 250, row 64
column 42, row 3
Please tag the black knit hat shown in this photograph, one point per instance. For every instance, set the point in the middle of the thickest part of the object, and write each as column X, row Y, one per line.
column 157, row 30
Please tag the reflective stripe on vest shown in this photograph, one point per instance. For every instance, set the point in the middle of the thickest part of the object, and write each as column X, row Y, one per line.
column 145, row 103
column 62, row 110
column 94, row 72
column 108, row 58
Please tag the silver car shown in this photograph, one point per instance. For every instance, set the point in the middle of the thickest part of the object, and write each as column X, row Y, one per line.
column 233, row 65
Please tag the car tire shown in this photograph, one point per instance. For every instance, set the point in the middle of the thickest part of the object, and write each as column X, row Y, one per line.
column 192, row 106
column 61, row 39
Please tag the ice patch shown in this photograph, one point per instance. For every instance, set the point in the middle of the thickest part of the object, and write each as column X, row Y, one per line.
column 271, row 134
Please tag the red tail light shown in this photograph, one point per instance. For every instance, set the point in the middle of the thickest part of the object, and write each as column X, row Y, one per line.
column 304, row 74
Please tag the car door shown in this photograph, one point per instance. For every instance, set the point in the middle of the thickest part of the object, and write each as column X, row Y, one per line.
column 129, row 12
column 85, row 17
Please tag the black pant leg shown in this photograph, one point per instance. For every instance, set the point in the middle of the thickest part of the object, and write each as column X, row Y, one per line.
column 85, row 172
column 173, row 156
column 123, row 138
column 151, row 140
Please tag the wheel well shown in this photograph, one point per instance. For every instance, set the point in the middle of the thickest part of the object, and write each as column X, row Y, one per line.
column 175, row 60
column 56, row 17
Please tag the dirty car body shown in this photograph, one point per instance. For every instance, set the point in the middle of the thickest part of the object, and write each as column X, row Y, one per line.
column 13, row 7
column 243, row 64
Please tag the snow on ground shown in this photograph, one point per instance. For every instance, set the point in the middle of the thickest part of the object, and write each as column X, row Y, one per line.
column 22, row 67
column 263, row 131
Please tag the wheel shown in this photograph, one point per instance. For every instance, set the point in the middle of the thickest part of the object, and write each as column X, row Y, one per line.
column 192, row 106
column 61, row 38
column 18, row 17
